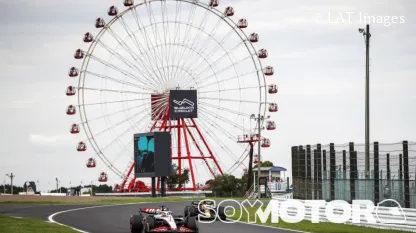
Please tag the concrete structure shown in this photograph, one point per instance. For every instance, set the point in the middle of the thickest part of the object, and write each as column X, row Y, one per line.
column 274, row 173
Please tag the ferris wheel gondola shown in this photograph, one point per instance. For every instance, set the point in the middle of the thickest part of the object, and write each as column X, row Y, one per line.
column 142, row 53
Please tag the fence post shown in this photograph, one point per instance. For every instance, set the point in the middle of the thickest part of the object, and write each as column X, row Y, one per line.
column 401, row 176
column 325, row 176
column 288, row 185
column 318, row 151
column 406, row 174
column 308, row 173
column 295, row 170
column 302, row 172
column 388, row 169
column 400, row 166
column 315, row 175
column 332, row 169
column 376, row 174
column 344, row 164
column 352, row 171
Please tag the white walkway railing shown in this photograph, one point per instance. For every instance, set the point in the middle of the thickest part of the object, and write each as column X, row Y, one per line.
column 385, row 217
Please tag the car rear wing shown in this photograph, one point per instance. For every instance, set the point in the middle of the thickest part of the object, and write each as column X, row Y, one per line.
column 150, row 210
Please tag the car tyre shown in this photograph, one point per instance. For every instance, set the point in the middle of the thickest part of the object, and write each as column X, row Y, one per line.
column 221, row 213
column 150, row 223
column 190, row 223
column 190, row 211
column 136, row 224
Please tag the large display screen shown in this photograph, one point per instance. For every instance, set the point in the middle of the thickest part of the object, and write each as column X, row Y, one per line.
column 152, row 154
column 183, row 104
column 146, row 152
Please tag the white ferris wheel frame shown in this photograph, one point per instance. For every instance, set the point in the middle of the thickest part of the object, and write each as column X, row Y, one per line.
column 84, row 70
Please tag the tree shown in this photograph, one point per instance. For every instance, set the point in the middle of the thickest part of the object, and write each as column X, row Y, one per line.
column 264, row 164
column 175, row 180
column 228, row 185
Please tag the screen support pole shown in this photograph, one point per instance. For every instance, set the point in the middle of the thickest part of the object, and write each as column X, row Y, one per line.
column 163, row 186
column 153, row 186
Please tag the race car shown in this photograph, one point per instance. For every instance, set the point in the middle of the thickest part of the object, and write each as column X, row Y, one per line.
column 206, row 210
column 161, row 220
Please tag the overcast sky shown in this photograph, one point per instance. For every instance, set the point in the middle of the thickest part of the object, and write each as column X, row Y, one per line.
column 315, row 47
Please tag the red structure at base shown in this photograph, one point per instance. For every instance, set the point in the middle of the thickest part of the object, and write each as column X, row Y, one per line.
column 187, row 134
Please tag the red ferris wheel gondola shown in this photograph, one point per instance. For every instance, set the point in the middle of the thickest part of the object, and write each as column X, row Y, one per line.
column 79, row 54
column 256, row 159
column 71, row 110
column 74, row 129
column 103, row 177
column 81, row 146
column 91, row 163
column 270, row 125
column 262, row 53
column 88, row 37
column 99, row 23
column 117, row 188
column 269, row 70
column 272, row 89
column 112, row 11
column 254, row 37
column 265, row 142
column 214, row 3
column 70, row 91
column 273, row 107
column 128, row 3
column 229, row 11
column 73, row 72
column 242, row 23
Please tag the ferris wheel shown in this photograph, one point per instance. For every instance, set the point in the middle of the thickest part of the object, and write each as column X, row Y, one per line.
column 138, row 54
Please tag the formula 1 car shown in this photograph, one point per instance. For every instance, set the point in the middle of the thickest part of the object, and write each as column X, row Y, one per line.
column 161, row 220
column 207, row 210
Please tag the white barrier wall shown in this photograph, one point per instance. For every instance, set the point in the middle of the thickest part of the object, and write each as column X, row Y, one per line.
column 385, row 217
column 50, row 194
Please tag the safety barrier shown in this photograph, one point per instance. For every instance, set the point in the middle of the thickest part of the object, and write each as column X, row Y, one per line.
column 169, row 193
column 385, row 217
column 275, row 187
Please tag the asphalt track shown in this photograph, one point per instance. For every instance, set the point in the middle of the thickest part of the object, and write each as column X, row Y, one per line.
column 115, row 218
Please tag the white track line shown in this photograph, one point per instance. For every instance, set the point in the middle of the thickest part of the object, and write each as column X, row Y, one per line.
column 50, row 218
column 279, row 228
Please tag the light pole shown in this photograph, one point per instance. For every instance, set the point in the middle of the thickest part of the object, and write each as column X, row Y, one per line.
column 259, row 119
column 367, row 35
column 11, row 176
column 57, row 181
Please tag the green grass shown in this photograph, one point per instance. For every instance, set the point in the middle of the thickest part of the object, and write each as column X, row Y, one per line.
column 10, row 224
column 308, row 226
column 117, row 201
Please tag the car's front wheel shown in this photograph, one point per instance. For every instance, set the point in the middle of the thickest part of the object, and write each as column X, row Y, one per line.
column 150, row 223
column 221, row 213
column 190, row 223
column 136, row 224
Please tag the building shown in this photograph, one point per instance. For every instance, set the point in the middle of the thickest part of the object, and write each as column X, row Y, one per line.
column 275, row 174
column 29, row 187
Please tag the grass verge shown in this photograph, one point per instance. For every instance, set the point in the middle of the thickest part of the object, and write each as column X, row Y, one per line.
column 10, row 224
column 308, row 226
